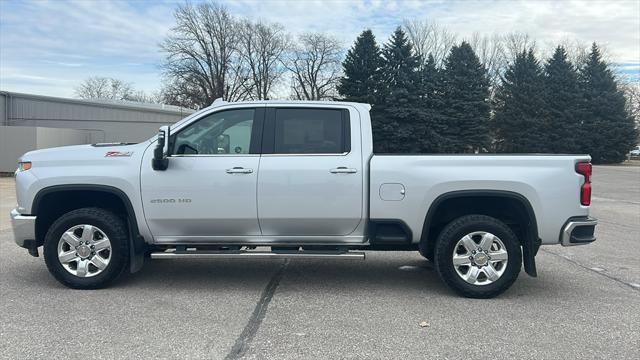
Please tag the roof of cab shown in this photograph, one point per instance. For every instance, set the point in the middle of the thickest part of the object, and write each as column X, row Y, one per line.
column 220, row 102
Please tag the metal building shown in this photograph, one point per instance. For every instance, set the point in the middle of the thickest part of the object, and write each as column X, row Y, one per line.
column 30, row 122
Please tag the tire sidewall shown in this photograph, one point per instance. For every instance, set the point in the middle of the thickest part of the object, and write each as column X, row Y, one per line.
column 107, row 222
column 450, row 237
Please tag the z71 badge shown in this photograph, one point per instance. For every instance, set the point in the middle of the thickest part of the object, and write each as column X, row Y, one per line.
column 118, row 154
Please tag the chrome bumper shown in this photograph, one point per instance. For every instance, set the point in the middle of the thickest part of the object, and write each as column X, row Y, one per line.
column 579, row 231
column 24, row 228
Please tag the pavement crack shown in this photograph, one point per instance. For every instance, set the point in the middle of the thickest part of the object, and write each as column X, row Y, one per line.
column 592, row 270
column 242, row 342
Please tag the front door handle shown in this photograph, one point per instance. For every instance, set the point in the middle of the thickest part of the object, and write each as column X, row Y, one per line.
column 239, row 170
column 343, row 170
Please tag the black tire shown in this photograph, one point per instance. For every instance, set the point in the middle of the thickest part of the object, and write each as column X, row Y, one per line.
column 462, row 226
column 115, row 229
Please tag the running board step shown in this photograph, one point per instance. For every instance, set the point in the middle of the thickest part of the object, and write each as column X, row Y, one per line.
column 257, row 255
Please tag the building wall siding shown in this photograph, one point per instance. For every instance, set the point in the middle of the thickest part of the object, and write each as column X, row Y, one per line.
column 87, row 122
column 17, row 140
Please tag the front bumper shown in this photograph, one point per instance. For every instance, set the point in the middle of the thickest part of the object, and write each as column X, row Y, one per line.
column 24, row 229
column 578, row 231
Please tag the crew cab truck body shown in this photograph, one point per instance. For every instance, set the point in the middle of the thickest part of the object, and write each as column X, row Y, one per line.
column 300, row 179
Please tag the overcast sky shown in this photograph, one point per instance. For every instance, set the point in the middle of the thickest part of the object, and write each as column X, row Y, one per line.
column 48, row 47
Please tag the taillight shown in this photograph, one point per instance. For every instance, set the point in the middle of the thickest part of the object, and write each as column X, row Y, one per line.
column 584, row 169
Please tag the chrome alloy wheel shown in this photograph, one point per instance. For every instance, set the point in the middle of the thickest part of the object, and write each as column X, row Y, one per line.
column 480, row 258
column 84, row 250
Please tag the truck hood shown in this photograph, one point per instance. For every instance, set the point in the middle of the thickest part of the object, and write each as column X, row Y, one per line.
column 94, row 152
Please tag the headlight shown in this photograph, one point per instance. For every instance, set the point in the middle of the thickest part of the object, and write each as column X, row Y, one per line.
column 24, row 165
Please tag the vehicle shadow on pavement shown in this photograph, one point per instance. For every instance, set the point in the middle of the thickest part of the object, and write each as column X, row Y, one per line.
column 396, row 274
column 399, row 274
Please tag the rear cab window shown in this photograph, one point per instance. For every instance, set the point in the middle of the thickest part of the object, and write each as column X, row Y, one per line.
column 307, row 131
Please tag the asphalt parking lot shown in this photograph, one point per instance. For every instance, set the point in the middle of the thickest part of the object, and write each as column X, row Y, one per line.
column 585, row 303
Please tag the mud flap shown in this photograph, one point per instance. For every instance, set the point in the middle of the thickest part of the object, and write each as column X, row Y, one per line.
column 137, row 249
column 529, row 251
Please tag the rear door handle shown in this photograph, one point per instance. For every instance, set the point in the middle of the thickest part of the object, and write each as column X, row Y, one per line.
column 343, row 170
column 239, row 170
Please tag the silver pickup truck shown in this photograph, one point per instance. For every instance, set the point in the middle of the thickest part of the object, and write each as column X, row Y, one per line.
column 284, row 179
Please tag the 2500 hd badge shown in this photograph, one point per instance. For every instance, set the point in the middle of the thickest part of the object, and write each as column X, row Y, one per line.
column 170, row 201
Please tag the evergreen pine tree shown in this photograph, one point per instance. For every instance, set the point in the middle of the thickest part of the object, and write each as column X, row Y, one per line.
column 430, row 106
column 563, row 103
column 361, row 67
column 608, row 130
column 397, row 122
column 519, row 107
column 465, row 113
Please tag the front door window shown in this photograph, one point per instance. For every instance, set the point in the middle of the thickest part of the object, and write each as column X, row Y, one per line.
column 226, row 132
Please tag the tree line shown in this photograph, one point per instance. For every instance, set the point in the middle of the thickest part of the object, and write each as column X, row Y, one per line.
column 108, row 88
column 430, row 92
column 549, row 107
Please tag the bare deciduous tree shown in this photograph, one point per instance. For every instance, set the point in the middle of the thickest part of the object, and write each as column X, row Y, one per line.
column 105, row 88
column 491, row 54
column 202, row 55
column 429, row 38
column 577, row 51
column 631, row 91
column 514, row 44
column 315, row 64
column 263, row 48
column 183, row 93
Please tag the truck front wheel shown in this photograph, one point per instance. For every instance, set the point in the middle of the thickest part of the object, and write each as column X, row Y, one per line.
column 478, row 256
column 87, row 248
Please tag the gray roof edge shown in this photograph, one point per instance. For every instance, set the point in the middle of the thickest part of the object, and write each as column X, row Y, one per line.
column 159, row 108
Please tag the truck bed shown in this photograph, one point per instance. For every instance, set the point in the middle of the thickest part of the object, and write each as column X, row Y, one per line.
column 548, row 182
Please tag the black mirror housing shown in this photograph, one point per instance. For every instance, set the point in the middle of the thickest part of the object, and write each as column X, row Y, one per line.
column 160, row 161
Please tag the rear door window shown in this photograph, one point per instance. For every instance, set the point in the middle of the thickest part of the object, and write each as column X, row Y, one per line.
column 311, row 131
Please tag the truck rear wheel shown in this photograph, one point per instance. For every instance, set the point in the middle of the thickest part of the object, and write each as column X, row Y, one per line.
column 478, row 256
column 87, row 248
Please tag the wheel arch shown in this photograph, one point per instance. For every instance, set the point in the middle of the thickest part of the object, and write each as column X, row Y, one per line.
column 456, row 203
column 85, row 195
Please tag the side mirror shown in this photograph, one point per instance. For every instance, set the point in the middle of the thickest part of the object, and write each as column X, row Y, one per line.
column 161, row 152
